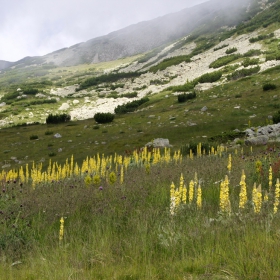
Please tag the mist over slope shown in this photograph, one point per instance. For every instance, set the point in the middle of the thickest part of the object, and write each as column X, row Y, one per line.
column 145, row 36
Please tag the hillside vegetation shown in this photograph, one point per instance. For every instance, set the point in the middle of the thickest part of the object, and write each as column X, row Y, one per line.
column 83, row 197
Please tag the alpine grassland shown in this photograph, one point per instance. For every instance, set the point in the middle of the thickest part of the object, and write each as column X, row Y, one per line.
column 151, row 214
column 84, row 194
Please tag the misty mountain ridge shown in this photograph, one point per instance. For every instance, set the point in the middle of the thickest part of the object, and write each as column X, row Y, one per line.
column 145, row 36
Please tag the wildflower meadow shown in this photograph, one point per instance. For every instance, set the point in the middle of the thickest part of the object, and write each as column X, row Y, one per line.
column 153, row 214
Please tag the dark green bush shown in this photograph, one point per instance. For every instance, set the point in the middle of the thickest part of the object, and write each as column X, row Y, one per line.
column 104, row 117
column 252, row 52
column 221, row 47
column 183, row 88
column 247, row 61
column 224, row 60
column 231, row 50
column 276, row 117
column 269, row 86
column 243, row 73
column 60, row 118
column 169, row 62
column 130, row 106
column 261, row 37
column 107, row 78
column 210, row 77
column 186, row 96
column 30, row 91
column 33, row 137
column 130, row 94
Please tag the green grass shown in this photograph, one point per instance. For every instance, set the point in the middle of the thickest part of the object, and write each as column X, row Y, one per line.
column 125, row 231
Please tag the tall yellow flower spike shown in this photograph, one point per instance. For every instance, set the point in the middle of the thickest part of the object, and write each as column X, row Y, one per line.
column 243, row 192
column 257, row 198
column 229, row 163
column 277, row 196
column 191, row 191
column 270, row 178
column 225, row 205
column 61, row 230
column 199, row 197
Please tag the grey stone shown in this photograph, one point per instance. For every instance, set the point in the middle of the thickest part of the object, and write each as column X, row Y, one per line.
column 159, row 143
column 204, row 109
column 255, row 141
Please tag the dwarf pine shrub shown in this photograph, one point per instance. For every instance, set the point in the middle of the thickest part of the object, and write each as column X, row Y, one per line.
column 269, row 86
column 104, row 117
column 186, row 96
column 60, row 118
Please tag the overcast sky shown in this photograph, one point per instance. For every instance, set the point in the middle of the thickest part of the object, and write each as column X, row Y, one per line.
column 38, row 27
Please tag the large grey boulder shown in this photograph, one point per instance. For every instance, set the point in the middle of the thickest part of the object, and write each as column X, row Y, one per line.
column 255, row 141
column 158, row 143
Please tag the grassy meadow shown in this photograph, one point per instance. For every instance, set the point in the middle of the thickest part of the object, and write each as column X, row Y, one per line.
column 149, row 215
column 94, row 204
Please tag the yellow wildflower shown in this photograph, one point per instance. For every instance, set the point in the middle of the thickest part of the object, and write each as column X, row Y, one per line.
column 243, row 192
column 199, row 197
column 61, row 230
column 277, row 196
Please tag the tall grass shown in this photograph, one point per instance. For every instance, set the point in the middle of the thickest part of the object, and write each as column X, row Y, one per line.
column 125, row 230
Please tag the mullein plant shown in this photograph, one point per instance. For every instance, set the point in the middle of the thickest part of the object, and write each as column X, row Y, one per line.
column 270, row 178
column 229, row 163
column 276, row 196
column 191, row 191
column 61, row 230
column 225, row 206
column 199, row 197
column 257, row 198
column 243, row 191
column 172, row 199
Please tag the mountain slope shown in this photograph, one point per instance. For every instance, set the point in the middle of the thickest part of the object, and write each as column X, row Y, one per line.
column 145, row 36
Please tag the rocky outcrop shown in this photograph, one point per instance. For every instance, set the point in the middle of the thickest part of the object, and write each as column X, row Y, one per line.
column 262, row 135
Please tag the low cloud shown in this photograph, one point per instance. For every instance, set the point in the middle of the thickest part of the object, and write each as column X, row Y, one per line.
column 31, row 28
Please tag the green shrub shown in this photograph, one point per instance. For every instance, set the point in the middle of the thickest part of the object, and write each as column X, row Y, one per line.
column 48, row 132
column 243, row 73
column 170, row 62
column 60, row 118
column 186, row 96
column 130, row 106
column 221, row 47
column 269, row 86
column 183, row 88
column 261, row 37
column 130, row 94
column 30, row 91
column 113, row 87
column 252, row 52
column 224, row 60
column 107, row 78
column 210, row 77
column 33, row 137
column 231, row 50
column 276, row 117
column 104, row 117
column 247, row 61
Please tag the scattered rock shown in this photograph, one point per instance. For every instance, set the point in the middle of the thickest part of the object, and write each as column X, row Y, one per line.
column 158, row 143
column 57, row 135
column 204, row 109
column 255, row 141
